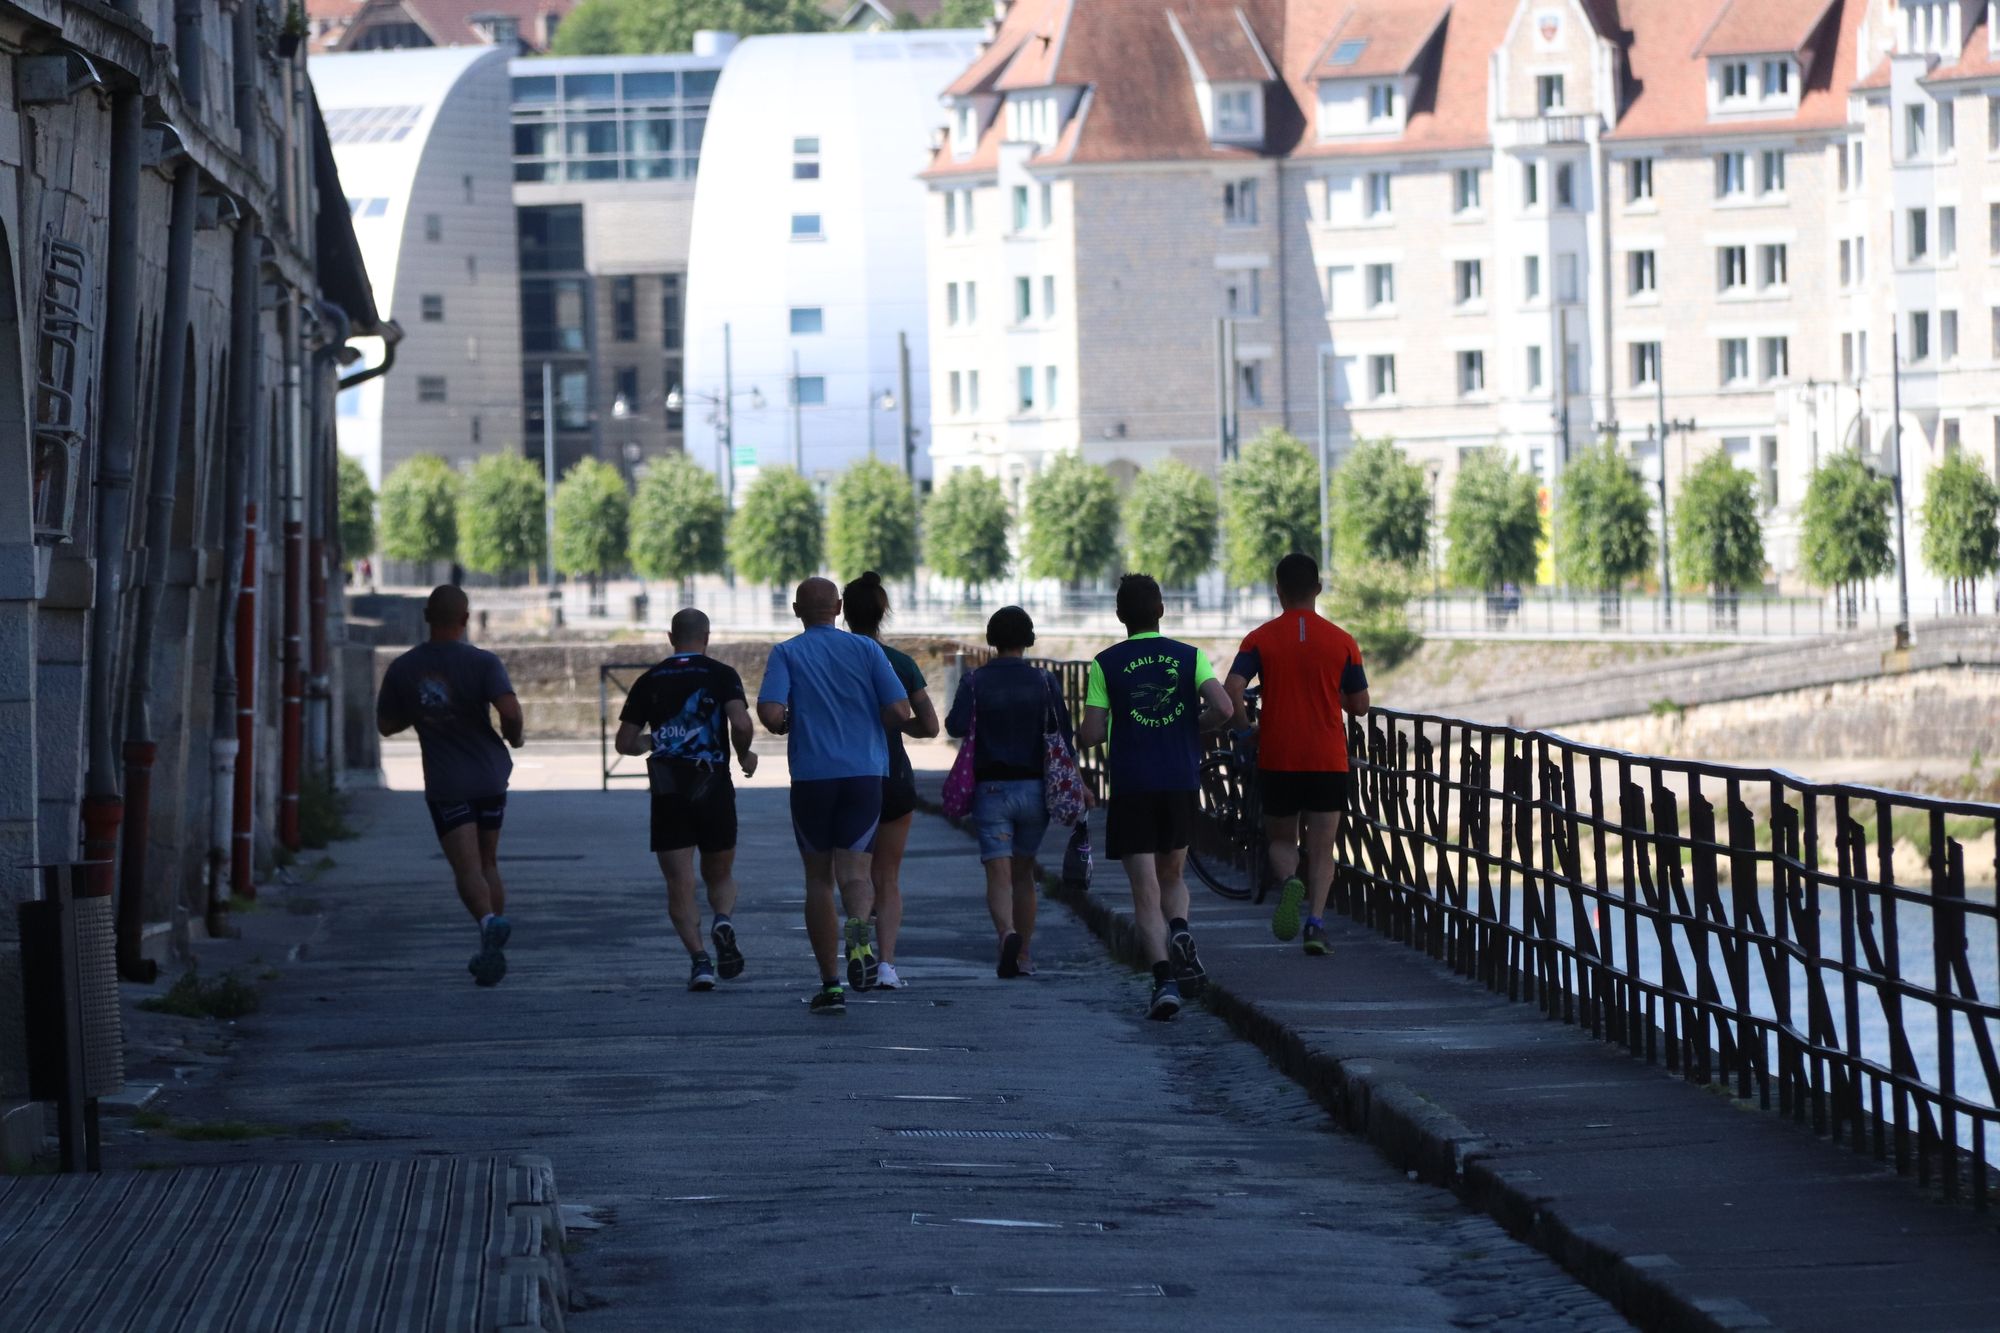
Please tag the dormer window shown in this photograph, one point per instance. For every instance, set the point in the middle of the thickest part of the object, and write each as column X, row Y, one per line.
column 1239, row 112
column 1739, row 87
column 1549, row 93
column 965, row 130
column 1033, row 120
column 1735, row 81
column 1381, row 103
column 1777, row 79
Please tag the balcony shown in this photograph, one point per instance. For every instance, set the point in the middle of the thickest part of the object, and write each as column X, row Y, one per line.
column 1542, row 131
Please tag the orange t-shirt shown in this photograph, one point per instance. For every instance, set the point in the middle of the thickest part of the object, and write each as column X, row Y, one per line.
column 1306, row 663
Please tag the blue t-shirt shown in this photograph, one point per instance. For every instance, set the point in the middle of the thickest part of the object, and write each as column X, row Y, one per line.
column 444, row 689
column 836, row 685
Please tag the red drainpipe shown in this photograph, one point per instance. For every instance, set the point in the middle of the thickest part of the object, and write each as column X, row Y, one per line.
column 241, row 848
column 292, row 723
column 101, row 817
column 316, row 627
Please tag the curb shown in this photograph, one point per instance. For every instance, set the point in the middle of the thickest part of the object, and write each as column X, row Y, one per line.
column 531, row 1280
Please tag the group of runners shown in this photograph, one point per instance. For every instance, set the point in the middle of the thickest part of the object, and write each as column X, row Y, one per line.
column 846, row 702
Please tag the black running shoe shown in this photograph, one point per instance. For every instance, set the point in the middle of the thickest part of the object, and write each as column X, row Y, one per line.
column 702, row 975
column 1010, row 956
column 1187, row 964
column 728, row 958
column 1316, row 941
column 830, row 1000
column 1166, row 1002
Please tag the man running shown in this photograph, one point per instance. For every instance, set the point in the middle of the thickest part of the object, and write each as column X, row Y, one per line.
column 684, row 715
column 1153, row 697
column 443, row 688
column 831, row 694
column 1311, row 670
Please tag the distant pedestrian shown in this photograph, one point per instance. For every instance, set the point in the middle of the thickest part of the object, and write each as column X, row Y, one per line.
column 1312, row 680
column 832, row 694
column 685, row 715
column 866, row 603
column 1008, row 707
column 1153, row 697
column 444, row 688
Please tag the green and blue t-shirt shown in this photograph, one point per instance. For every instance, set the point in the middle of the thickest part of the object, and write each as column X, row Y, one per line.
column 1152, row 688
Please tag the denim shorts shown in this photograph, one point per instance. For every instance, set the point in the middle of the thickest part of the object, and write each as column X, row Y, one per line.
column 1011, row 818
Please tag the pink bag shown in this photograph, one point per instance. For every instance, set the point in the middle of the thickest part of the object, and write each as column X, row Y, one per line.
column 959, row 784
column 1062, row 783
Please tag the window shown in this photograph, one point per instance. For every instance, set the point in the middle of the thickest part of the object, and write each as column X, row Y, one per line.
column 1531, row 184
column 1768, row 447
column 1572, row 368
column 1534, row 370
column 1567, row 288
column 1531, row 277
column 951, row 304
column 1471, row 280
column 1861, row 259
column 1381, row 285
column 1947, row 234
column 1948, row 335
column 433, row 227
column 1952, row 440
column 1842, row 169
column 1642, row 272
column 1861, row 352
column 1777, row 358
column 624, row 309
column 1916, row 136
column 1465, row 190
column 1024, row 389
column 1996, row 331
column 670, row 311
column 1235, row 113
column 1381, row 103
column 1993, row 122
column 1730, row 175
column 1381, row 201
column 809, row 390
column 808, row 319
column 1735, row 360
column 1343, row 293
column 431, row 389
column 965, row 218
column 1846, row 263
column 1735, row 80
column 805, row 159
column 1639, row 180
column 1773, row 265
column 1049, row 296
column 1860, row 163
column 1777, row 79
column 472, row 268
column 1471, row 373
column 805, row 227
column 433, row 309
column 625, row 389
column 1024, row 300
column 1381, row 376
column 1771, row 171
column 971, row 303
column 1020, row 197
column 1243, row 293
column 1920, row 336
column 1735, row 261
column 466, row 182
column 1565, row 186
column 1645, row 365
column 1049, row 388
column 1239, row 203
column 1947, row 128
column 1916, row 227
column 957, row 394
column 1993, row 230
column 1250, row 383
column 965, row 131
column 1548, row 93
column 951, row 212
column 972, row 391
column 1048, row 205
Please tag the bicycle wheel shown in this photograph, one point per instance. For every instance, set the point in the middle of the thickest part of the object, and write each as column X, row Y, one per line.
column 1217, row 851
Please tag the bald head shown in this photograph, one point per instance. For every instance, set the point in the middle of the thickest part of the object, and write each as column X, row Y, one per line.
column 817, row 602
column 446, row 611
column 689, row 630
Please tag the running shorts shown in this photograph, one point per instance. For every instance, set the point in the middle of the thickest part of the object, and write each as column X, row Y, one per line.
column 485, row 811
column 836, row 814
column 698, row 810
column 1290, row 794
column 1149, row 822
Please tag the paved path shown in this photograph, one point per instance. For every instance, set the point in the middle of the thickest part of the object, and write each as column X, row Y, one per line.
column 1031, row 1152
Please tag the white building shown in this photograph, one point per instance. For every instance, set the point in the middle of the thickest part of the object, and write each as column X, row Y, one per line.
column 420, row 137
column 808, row 246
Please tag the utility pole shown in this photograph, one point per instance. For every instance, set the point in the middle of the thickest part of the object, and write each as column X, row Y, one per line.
column 906, row 410
column 549, row 474
column 727, row 420
column 1325, row 469
column 1896, row 480
column 1667, row 429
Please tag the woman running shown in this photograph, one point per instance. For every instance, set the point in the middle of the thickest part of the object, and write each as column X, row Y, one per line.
column 1012, row 703
column 867, row 605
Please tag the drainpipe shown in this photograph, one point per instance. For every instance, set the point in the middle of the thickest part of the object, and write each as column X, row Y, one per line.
column 141, row 746
column 325, row 469
column 292, row 724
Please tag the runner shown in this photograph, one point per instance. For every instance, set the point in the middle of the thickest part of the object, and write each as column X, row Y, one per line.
column 867, row 606
column 443, row 688
column 684, row 715
column 1154, row 697
column 832, row 694
column 1311, row 670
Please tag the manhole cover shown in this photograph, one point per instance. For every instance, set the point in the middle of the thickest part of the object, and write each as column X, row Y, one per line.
column 1037, row 1134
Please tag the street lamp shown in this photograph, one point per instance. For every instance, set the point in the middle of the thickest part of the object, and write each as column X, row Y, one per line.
column 883, row 400
column 1434, row 470
column 725, row 437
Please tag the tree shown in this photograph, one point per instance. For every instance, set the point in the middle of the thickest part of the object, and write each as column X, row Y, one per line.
column 1381, row 507
column 505, row 527
column 680, row 522
column 593, row 521
column 961, row 14
column 1493, row 524
column 965, row 529
column 645, row 27
column 1371, row 600
column 1962, row 527
column 420, row 511
column 1604, row 530
column 1072, row 521
column 1718, row 530
column 357, row 512
column 1844, row 529
column 776, row 537
column 1171, row 518
column 872, row 521
column 1270, row 504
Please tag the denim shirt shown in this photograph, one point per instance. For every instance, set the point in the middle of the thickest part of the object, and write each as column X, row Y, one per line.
column 1014, row 701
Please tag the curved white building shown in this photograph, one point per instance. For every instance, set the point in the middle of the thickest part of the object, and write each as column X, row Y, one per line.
column 421, row 139
column 808, row 244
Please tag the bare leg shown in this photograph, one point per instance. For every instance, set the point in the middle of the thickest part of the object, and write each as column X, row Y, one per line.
column 1170, row 867
column 857, row 888
column 718, row 872
column 489, row 866
column 1146, row 919
column 678, row 867
column 1025, row 902
column 1282, row 833
column 887, row 872
column 1321, row 832
column 822, row 921
column 461, row 852
column 1000, row 894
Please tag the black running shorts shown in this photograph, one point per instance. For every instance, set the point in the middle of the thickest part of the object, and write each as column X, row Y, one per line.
column 1143, row 822
column 702, row 814
column 486, row 811
column 1290, row 794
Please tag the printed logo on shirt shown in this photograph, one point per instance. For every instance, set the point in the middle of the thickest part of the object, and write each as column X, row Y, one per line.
column 693, row 734
column 434, row 694
column 1156, row 703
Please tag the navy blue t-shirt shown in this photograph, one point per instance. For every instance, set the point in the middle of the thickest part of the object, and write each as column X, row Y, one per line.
column 1152, row 688
column 680, row 704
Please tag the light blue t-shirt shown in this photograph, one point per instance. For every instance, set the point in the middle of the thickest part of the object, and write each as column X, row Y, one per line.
column 836, row 685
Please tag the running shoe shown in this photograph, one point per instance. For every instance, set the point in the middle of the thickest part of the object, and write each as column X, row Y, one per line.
column 1010, row 955
column 1316, row 943
column 728, row 958
column 489, row 965
column 702, row 975
column 1188, row 971
column 830, row 1000
column 861, row 965
column 1166, row 1002
column 1285, row 921
column 886, row 978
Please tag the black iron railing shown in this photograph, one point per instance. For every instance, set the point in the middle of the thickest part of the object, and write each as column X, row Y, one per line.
column 614, row 682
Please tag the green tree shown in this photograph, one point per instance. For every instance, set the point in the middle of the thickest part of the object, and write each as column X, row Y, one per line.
column 1962, row 527
column 644, row 27
column 357, row 512
column 872, row 521
column 1718, row 530
column 1072, row 521
column 1381, row 507
column 1371, row 600
column 1270, row 505
column 962, row 14
column 776, row 536
column 593, row 521
column 1171, row 517
column 1604, row 532
column 965, row 529
column 680, row 522
column 504, row 529
column 1844, row 528
column 420, row 510
column 1493, row 524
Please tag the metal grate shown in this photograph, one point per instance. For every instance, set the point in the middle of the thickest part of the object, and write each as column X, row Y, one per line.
column 97, row 983
column 976, row 1134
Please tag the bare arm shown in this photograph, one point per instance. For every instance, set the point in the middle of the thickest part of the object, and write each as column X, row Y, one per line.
column 1219, row 710
column 1234, row 687
column 511, row 721
column 898, row 714
column 777, row 719
column 924, row 724
column 741, row 734
column 1096, row 726
column 1355, row 702
column 632, row 739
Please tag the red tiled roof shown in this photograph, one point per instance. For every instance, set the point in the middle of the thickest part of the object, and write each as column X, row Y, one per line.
column 445, row 22
column 1670, row 88
column 1222, row 42
column 1977, row 61
column 1763, row 27
column 1449, row 111
column 1393, row 35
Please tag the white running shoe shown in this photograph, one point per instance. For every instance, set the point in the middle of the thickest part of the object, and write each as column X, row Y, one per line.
column 886, row 978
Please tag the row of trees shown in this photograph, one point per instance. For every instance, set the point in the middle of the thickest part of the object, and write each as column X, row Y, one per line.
column 643, row 27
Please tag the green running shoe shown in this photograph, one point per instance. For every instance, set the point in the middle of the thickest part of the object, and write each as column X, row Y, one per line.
column 1316, row 944
column 830, row 1000
column 1285, row 921
column 862, row 968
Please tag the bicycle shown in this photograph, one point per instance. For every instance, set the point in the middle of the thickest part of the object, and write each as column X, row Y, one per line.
column 1227, row 852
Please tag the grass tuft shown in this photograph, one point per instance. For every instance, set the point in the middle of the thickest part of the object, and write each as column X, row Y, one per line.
column 227, row 997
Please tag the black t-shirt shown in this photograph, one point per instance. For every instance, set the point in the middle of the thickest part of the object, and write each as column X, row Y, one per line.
column 680, row 703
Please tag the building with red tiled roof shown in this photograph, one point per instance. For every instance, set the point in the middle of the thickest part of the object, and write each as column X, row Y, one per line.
column 1470, row 223
column 381, row 25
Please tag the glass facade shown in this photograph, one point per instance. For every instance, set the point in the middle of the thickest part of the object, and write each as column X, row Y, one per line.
column 610, row 125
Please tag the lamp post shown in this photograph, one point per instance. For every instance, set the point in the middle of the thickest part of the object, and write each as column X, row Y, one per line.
column 1896, row 481
column 881, row 400
column 1325, row 470
column 725, row 433
column 1435, row 470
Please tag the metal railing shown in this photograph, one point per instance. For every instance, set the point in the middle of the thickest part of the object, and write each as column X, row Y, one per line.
column 1539, row 614
column 614, row 682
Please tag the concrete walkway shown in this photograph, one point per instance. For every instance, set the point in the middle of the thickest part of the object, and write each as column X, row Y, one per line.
column 968, row 1151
